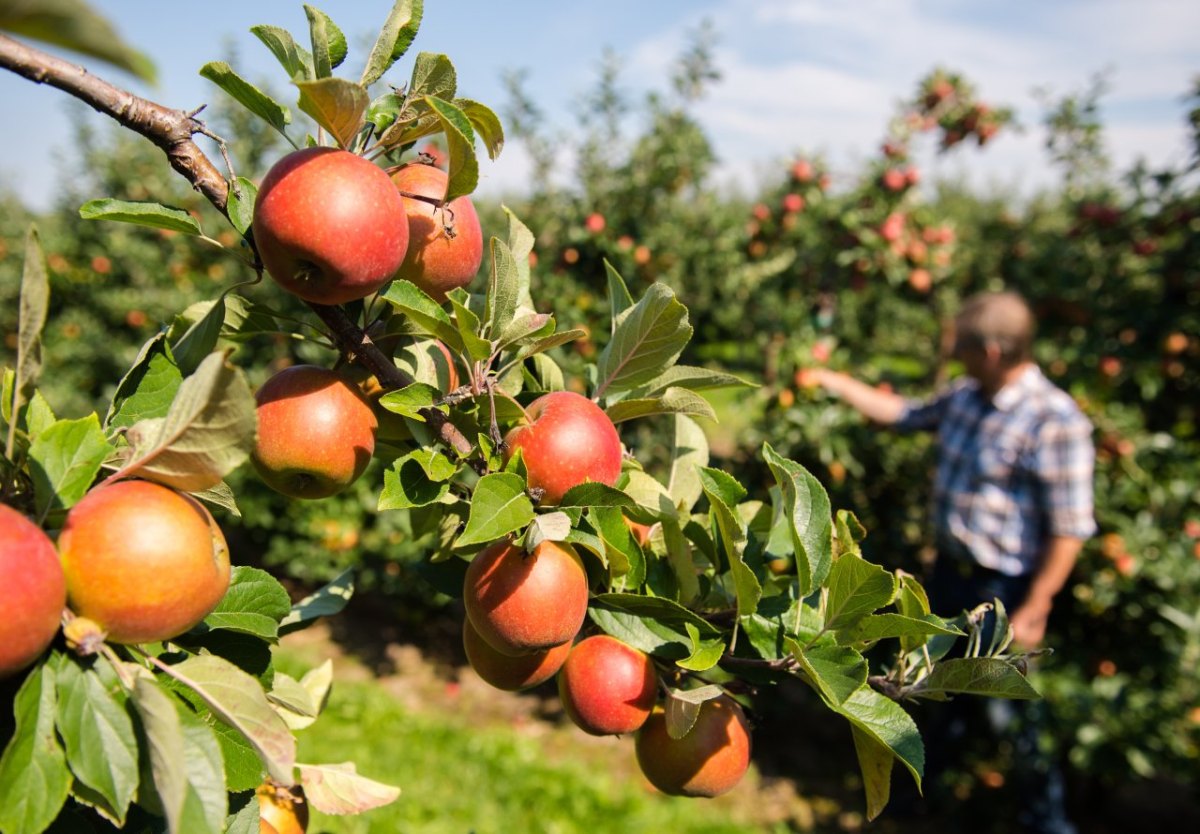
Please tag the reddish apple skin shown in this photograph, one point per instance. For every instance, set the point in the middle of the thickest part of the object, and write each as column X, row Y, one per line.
column 568, row 441
column 438, row 262
column 33, row 591
column 607, row 687
column 709, row 761
column 316, row 432
column 329, row 225
column 526, row 602
column 143, row 561
column 509, row 673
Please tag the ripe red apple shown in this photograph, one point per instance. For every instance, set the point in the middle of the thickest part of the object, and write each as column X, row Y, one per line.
column 894, row 179
column 568, row 440
column 145, row 562
column 793, row 203
column 802, row 170
column 329, row 225
column 316, row 432
column 526, row 602
column 507, row 672
column 445, row 245
column 893, row 227
column 32, row 591
column 709, row 761
column 594, row 223
column 607, row 687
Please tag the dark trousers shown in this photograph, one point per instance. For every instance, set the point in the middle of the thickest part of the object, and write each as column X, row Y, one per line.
column 1036, row 781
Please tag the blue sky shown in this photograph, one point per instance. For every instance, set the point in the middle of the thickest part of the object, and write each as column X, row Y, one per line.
column 798, row 75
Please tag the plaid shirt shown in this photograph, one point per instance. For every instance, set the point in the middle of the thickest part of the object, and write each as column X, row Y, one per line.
column 1012, row 471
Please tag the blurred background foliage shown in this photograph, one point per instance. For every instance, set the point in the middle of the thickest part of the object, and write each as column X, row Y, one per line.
column 854, row 269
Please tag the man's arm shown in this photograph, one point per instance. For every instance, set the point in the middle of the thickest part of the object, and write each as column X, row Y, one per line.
column 1058, row 560
column 883, row 407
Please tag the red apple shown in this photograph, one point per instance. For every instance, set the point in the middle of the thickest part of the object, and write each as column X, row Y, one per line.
column 316, row 432
column 894, row 179
column 144, row 562
column 607, row 687
column 802, row 170
column 569, row 440
column 507, row 672
column 33, row 591
column 329, row 225
column 793, row 203
column 594, row 223
column 709, row 761
column 526, row 602
column 445, row 242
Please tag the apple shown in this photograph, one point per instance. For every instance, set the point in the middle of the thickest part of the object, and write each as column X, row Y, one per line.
column 606, row 686
column 316, row 432
column 709, row 761
column 144, row 562
column 802, row 170
column 568, row 440
column 32, row 591
column 526, row 602
column 894, row 179
column 594, row 223
column 445, row 242
column 793, row 203
column 282, row 810
column 329, row 225
column 507, row 672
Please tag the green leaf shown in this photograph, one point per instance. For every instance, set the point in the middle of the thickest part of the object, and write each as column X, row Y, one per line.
column 460, row 145
column 468, row 325
column 520, row 243
column 644, row 633
column 499, row 506
column 245, row 819
column 243, row 769
column 547, row 527
column 720, row 489
column 433, row 75
column 679, row 556
column 247, row 95
column 418, row 479
column 545, row 343
column 395, row 37
column 200, row 338
column 291, row 56
column 526, row 328
column 64, row 460
column 208, row 431
column 102, row 749
column 220, row 496
column 836, row 672
column 648, row 339
column 154, row 215
column 885, row 721
column 33, row 768
column 875, row 763
column 693, row 379
column 240, row 206
column 619, row 299
column 325, row 602
column 857, row 588
column 593, row 494
column 673, row 401
column 659, row 609
column 238, row 700
column 254, row 604
column 681, row 708
column 411, row 399
column 328, row 42
column 875, row 627
column 626, row 561
column 486, row 123
column 75, row 25
column 809, row 512
column 335, row 104
column 705, row 653
column 338, row 789
column 689, row 454
column 31, row 319
column 424, row 312
column 185, row 761
column 990, row 676
column 503, row 289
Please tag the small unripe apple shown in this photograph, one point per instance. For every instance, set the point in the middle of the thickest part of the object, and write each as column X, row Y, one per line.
column 145, row 562
column 445, row 243
column 526, row 602
column 316, row 432
column 606, row 686
column 329, row 225
column 569, row 440
column 709, row 761
column 507, row 672
column 32, row 591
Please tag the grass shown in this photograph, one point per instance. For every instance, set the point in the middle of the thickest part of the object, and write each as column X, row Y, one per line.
column 466, row 763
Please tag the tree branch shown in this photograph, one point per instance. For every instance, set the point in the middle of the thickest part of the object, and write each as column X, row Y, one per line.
column 172, row 131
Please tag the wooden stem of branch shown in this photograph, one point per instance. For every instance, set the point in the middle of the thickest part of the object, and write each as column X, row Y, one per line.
column 173, row 132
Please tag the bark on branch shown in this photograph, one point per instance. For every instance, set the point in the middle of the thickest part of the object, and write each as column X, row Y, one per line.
column 173, row 132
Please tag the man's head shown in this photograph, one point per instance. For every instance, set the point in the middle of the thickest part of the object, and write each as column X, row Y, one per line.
column 993, row 334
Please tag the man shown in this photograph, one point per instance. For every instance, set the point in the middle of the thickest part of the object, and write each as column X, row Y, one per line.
column 1012, row 493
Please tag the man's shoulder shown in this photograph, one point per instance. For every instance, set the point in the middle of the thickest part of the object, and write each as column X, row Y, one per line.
column 1053, row 404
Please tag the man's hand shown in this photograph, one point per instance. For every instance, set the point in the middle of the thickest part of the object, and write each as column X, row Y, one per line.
column 1029, row 623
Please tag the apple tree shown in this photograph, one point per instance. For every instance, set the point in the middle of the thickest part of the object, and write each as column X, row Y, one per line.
column 150, row 699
